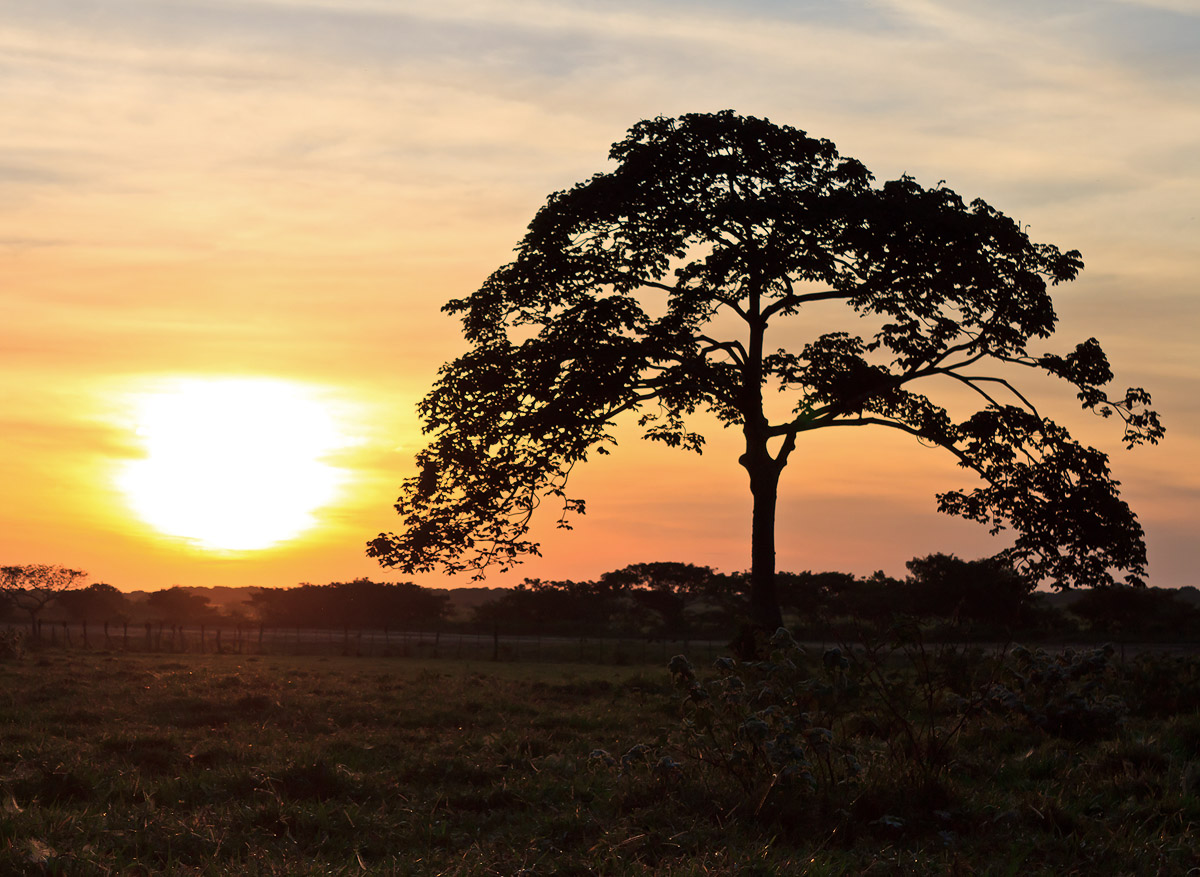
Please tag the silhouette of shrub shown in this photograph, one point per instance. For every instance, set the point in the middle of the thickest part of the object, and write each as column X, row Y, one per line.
column 1069, row 694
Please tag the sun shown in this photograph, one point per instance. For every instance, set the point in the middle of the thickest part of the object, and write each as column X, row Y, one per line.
column 232, row 464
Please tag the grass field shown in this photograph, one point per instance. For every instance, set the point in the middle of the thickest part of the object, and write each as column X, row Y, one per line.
column 117, row 764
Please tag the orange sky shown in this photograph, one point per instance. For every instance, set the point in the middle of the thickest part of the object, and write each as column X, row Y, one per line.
column 290, row 189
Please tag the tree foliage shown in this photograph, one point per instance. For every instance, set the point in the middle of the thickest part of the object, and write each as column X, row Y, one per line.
column 668, row 600
column 648, row 291
column 361, row 603
column 986, row 590
column 97, row 602
column 33, row 587
column 176, row 606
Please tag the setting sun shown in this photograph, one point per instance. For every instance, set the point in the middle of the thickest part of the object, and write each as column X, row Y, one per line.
column 232, row 464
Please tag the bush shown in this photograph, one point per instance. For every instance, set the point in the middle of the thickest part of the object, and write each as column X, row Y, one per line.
column 12, row 644
column 766, row 723
column 1068, row 694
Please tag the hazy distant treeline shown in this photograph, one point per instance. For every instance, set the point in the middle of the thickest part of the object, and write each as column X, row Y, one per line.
column 673, row 601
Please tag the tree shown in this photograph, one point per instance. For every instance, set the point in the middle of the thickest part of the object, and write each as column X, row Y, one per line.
column 361, row 604
column 366, row 604
column 649, row 290
column 97, row 602
column 177, row 606
column 538, row 607
column 985, row 590
column 665, row 588
column 33, row 587
column 1138, row 611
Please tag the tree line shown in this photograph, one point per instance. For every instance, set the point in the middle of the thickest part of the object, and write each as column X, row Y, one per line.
column 984, row 598
column 40, row 593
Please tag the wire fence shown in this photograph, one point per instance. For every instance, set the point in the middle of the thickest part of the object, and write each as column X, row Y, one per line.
column 450, row 644
column 461, row 645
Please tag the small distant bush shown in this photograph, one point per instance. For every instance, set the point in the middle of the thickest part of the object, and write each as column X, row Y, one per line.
column 12, row 644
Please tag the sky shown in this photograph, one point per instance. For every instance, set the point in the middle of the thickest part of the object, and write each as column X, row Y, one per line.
column 227, row 229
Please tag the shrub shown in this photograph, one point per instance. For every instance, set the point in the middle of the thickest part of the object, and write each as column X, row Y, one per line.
column 1068, row 694
column 12, row 644
column 766, row 723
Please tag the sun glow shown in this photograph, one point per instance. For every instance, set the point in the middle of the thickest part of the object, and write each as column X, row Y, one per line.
column 234, row 464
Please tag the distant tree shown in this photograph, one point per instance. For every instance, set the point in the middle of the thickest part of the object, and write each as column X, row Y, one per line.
column 1151, row 612
column 366, row 604
column 558, row 607
column 305, row 605
column 32, row 588
column 650, row 290
column 178, row 606
column 97, row 602
column 986, row 590
column 360, row 604
column 810, row 593
column 874, row 598
column 665, row 588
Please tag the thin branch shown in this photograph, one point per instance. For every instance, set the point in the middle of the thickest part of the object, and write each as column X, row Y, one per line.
column 916, row 433
column 734, row 348
column 970, row 379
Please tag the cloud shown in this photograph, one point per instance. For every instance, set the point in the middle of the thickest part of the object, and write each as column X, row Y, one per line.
column 1180, row 7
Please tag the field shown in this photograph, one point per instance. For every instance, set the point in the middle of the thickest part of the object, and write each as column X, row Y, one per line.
column 136, row 764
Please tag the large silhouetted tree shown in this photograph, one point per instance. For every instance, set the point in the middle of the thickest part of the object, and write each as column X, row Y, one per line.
column 649, row 290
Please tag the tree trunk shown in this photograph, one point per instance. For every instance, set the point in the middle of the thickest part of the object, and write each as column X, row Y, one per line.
column 764, row 599
column 764, row 472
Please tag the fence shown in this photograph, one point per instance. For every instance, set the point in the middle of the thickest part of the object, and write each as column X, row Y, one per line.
column 253, row 639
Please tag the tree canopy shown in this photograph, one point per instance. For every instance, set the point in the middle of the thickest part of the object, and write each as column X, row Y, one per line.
column 99, row 601
column 34, row 586
column 648, row 291
column 360, row 603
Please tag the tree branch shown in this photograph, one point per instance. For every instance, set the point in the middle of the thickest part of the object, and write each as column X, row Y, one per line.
column 792, row 300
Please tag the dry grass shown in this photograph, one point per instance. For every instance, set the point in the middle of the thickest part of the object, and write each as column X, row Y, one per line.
column 207, row 765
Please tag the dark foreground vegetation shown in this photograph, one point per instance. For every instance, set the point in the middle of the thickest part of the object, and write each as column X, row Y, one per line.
column 887, row 758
